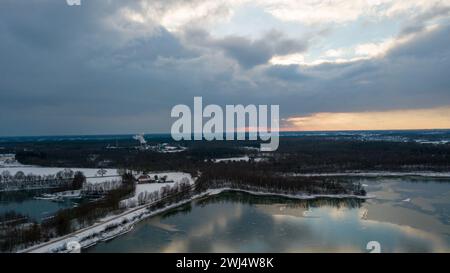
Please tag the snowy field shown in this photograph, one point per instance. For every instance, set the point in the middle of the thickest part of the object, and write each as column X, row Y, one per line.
column 171, row 176
column 9, row 160
column 94, row 178
column 176, row 177
column 90, row 173
column 232, row 159
column 239, row 159
column 36, row 170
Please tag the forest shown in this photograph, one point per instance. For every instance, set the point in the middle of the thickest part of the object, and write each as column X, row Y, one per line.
column 295, row 154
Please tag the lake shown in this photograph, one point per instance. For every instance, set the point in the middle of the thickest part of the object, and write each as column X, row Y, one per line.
column 24, row 203
column 408, row 215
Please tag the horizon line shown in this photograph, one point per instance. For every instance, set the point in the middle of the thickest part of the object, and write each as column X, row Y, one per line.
column 281, row 131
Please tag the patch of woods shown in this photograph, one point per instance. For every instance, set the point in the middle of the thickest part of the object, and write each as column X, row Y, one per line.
column 312, row 155
column 244, row 198
column 15, row 229
column 266, row 182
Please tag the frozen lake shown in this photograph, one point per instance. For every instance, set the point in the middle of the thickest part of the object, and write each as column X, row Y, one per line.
column 408, row 215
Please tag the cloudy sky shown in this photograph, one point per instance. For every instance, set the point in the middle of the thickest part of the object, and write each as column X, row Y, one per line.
column 119, row 66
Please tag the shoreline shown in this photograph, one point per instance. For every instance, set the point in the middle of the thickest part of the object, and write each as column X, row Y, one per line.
column 291, row 196
column 429, row 174
column 124, row 222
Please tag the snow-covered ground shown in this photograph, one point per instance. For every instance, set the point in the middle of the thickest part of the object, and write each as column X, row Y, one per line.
column 231, row 159
column 94, row 178
column 36, row 170
column 437, row 142
column 239, row 159
column 375, row 174
column 171, row 176
column 101, row 179
column 101, row 231
column 63, row 194
column 172, row 149
column 91, row 173
column 176, row 177
column 122, row 223
column 292, row 196
column 9, row 160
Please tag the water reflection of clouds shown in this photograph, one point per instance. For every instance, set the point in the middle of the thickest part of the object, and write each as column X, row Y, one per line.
column 345, row 223
column 418, row 239
column 340, row 213
column 206, row 228
column 282, row 209
column 406, row 216
column 428, row 208
column 324, row 249
column 423, row 204
column 156, row 222
column 264, row 236
column 219, row 223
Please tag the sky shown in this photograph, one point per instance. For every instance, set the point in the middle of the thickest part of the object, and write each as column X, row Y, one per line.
column 119, row 66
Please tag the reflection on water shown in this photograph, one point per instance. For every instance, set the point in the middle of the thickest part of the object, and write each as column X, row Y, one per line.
column 24, row 203
column 236, row 222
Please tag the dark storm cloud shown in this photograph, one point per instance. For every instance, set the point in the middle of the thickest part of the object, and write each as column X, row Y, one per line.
column 64, row 70
column 289, row 73
column 250, row 52
column 82, row 70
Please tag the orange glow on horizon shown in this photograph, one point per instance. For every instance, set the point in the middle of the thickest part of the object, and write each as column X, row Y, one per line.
column 436, row 118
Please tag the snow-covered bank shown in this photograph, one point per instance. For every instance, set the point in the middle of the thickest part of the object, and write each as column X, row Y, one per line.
column 292, row 196
column 36, row 170
column 374, row 174
column 105, row 229
column 232, row 159
column 60, row 195
column 115, row 225
column 110, row 227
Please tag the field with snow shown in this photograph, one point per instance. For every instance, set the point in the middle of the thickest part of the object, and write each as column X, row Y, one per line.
column 9, row 160
column 90, row 173
column 94, row 178
column 36, row 170
column 232, row 159
column 239, row 159
column 176, row 177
